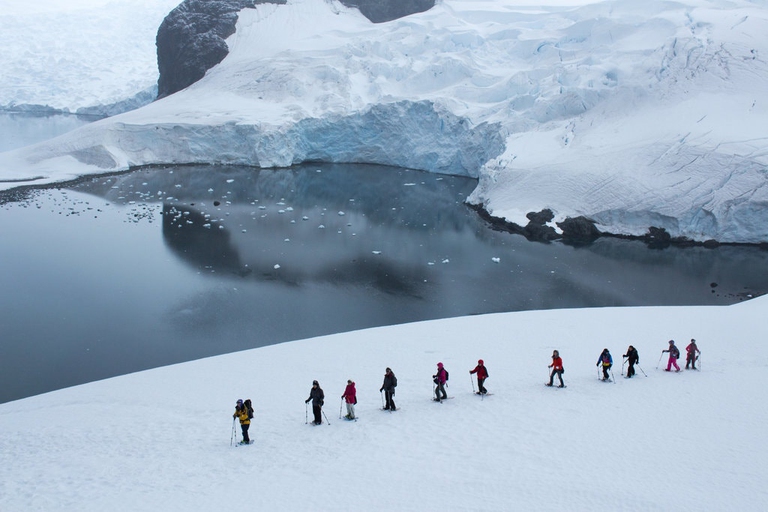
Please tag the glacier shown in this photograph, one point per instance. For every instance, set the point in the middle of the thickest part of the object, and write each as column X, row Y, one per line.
column 632, row 115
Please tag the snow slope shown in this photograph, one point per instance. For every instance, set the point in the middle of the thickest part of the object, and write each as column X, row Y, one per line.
column 634, row 114
column 160, row 439
column 78, row 53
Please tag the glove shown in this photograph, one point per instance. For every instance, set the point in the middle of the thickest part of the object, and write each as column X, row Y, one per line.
column 322, row 403
column 598, row 364
column 306, row 401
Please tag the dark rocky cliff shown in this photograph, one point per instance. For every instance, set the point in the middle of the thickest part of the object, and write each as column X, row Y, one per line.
column 191, row 39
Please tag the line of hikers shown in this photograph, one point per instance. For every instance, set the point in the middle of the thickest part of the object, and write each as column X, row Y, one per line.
column 244, row 410
column 605, row 361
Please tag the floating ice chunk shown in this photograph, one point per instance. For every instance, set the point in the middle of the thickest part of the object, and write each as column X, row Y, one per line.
column 321, row 226
column 230, row 180
column 287, row 240
column 446, row 260
column 210, row 190
column 305, row 218
column 280, row 211
column 208, row 225
column 430, row 263
column 341, row 214
column 409, row 184
column 276, row 266
column 376, row 252
column 496, row 260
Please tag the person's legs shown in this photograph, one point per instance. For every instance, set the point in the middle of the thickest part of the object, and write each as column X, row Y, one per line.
column 245, row 427
column 316, row 410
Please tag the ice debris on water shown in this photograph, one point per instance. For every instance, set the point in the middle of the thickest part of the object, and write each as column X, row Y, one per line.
column 376, row 252
column 276, row 266
column 496, row 260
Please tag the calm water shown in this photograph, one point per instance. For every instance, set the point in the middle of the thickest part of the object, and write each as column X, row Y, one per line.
column 165, row 265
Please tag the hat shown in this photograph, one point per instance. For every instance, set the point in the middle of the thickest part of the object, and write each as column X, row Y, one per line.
column 240, row 402
column 314, row 383
column 480, row 361
column 439, row 365
column 693, row 340
column 671, row 341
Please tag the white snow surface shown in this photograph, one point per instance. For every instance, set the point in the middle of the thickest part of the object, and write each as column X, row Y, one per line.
column 78, row 53
column 160, row 439
column 633, row 114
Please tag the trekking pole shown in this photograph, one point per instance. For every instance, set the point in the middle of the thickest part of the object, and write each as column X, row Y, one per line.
column 306, row 413
column 612, row 377
column 232, row 437
column 473, row 383
column 662, row 355
column 326, row 417
column 598, row 374
column 698, row 358
column 381, row 393
column 641, row 369
column 622, row 366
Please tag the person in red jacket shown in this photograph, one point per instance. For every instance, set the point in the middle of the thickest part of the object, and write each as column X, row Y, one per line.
column 482, row 374
column 350, row 396
column 557, row 369
column 440, row 378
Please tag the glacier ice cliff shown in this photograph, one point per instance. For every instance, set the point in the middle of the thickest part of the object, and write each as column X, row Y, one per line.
column 631, row 115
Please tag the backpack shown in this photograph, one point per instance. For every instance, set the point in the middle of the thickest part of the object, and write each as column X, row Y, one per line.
column 249, row 408
column 446, row 374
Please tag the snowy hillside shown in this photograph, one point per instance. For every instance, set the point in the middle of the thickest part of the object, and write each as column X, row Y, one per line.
column 633, row 114
column 79, row 53
column 160, row 439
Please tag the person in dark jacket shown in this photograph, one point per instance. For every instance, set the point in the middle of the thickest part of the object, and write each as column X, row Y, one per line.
column 606, row 361
column 440, row 378
column 482, row 374
column 241, row 413
column 388, row 386
column 557, row 369
column 350, row 397
column 691, row 350
column 633, row 358
column 317, row 396
column 674, row 354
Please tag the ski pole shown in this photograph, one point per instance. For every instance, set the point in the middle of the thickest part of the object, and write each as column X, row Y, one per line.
column 473, row 383
column 598, row 374
column 641, row 369
column 306, row 413
column 232, row 437
column 612, row 377
column 622, row 366
column 662, row 355
column 340, row 406
column 381, row 393
column 326, row 417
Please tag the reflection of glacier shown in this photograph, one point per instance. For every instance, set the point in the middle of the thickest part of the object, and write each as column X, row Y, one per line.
column 340, row 225
column 368, row 228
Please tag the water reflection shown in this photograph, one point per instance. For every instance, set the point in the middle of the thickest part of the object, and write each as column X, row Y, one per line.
column 165, row 265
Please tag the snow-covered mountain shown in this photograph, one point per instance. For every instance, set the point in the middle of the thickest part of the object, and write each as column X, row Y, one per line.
column 632, row 114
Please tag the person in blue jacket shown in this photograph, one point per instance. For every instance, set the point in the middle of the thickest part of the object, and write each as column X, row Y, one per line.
column 606, row 361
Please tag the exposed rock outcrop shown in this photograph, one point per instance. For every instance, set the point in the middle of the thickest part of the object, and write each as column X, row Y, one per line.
column 191, row 39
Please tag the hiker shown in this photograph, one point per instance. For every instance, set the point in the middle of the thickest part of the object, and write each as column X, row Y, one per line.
column 317, row 396
column 482, row 374
column 350, row 397
column 388, row 386
column 440, row 378
column 244, row 412
column 633, row 358
column 606, row 361
column 674, row 354
column 557, row 369
column 691, row 357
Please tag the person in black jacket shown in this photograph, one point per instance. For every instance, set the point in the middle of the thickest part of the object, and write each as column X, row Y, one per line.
column 317, row 396
column 633, row 358
column 389, row 385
